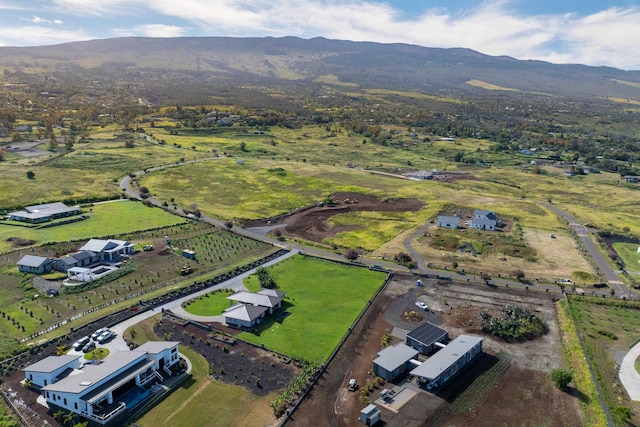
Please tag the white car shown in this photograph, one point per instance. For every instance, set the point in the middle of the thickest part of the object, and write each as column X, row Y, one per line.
column 96, row 334
column 105, row 337
column 422, row 305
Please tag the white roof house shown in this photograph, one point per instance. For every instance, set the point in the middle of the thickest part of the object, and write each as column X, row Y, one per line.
column 109, row 250
column 45, row 212
column 103, row 391
column 269, row 298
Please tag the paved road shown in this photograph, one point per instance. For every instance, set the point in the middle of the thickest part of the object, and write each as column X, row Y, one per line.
column 628, row 375
column 598, row 258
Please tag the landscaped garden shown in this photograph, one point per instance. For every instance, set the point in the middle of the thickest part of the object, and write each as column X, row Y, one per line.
column 322, row 300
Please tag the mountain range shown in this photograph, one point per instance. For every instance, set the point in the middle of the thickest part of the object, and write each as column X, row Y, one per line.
column 329, row 62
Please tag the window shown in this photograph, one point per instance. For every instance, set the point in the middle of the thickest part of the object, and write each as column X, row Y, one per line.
column 30, row 377
column 75, row 405
column 175, row 349
column 65, row 401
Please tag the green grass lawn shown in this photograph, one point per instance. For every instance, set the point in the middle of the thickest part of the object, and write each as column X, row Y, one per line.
column 105, row 219
column 211, row 304
column 324, row 299
column 629, row 254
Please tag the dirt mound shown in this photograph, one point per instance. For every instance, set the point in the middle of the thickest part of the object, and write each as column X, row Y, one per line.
column 311, row 223
column 18, row 242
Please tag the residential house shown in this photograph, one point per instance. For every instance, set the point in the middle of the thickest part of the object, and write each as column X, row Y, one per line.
column 44, row 213
column 80, row 259
column 269, row 298
column 244, row 316
column 394, row 361
column 103, row 392
column 109, row 250
column 484, row 220
column 35, row 264
column 440, row 368
column 448, row 221
column 426, row 338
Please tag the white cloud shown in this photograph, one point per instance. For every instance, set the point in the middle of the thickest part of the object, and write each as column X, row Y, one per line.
column 38, row 35
column 58, row 21
column 151, row 30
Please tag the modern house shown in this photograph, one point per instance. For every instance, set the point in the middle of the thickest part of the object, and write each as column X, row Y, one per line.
column 80, row 259
column 484, row 220
column 109, row 250
column 394, row 361
column 448, row 221
column 426, row 338
column 44, row 213
column 269, row 298
column 35, row 264
column 103, row 392
column 244, row 316
column 440, row 368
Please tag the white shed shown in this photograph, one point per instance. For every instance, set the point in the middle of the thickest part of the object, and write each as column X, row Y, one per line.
column 370, row 415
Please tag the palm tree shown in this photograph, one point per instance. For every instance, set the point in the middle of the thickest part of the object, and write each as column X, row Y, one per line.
column 82, row 424
column 59, row 415
column 68, row 418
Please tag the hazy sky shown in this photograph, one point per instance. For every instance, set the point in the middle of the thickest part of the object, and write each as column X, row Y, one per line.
column 592, row 32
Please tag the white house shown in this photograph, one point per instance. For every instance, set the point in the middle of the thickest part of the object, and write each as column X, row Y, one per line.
column 109, row 250
column 103, row 392
column 447, row 221
column 43, row 213
column 484, row 220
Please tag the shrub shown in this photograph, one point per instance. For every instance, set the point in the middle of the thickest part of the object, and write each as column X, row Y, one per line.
column 561, row 378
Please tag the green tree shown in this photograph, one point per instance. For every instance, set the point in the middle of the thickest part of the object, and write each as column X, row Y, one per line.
column 265, row 278
column 561, row 378
column 31, row 174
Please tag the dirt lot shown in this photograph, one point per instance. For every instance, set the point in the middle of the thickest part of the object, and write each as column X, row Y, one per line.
column 310, row 224
column 455, row 308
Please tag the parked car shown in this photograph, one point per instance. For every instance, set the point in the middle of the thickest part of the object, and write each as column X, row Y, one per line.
column 97, row 333
column 422, row 305
column 88, row 347
column 105, row 337
column 81, row 343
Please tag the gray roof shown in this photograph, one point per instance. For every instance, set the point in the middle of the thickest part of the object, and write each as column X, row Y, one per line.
column 370, row 410
column 427, row 333
column 448, row 219
column 445, row 358
column 484, row 213
column 43, row 211
column 33, row 260
column 51, row 363
column 271, row 293
column 392, row 357
column 98, row 245
column 244, row 312
column 155, row 347
column 90, row 375
column 83, row 255
column 259, row 298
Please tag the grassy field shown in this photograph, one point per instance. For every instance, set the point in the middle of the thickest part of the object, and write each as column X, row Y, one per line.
column 211, row 304
column 324, row 299
column 202, row 401
column 629, row 254
column 609, row 329
column 105, row 219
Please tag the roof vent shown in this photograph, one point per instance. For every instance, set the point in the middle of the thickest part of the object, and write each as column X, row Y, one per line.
column 86, row 383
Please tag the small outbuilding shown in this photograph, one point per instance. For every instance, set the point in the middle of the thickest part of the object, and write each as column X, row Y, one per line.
column 188, row 253
column 35, row 264
column 445, row 221
column 425, row 337
column 393, row 361
column 370, row 415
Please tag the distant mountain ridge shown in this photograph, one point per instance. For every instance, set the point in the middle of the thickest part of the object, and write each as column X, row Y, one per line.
column 365, row 64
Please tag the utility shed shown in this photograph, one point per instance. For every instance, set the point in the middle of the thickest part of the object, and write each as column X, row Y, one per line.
column 424, row 337
column 188, row 253
column 445, row 364
column 393, row 361
column 370, row 415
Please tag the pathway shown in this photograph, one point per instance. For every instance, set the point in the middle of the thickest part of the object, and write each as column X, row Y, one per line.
column 629, row 377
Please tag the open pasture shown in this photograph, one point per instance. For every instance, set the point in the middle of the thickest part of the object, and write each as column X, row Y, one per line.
column 629, row 254
column 609, row 328
column 323, row 298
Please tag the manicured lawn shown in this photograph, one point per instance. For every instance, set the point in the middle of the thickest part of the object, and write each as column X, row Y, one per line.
column 324, row 298
column 105, row 219
column 629, row 254
column 97, row 354
column 202, row 401
column 210, row 304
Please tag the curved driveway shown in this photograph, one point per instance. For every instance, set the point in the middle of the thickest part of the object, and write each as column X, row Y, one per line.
column 629, row 377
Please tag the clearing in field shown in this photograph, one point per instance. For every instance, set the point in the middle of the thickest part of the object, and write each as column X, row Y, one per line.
column 629, row 254
column 323, row 298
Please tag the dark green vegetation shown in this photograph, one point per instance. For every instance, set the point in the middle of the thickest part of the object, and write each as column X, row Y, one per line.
column 323, row 298
column 516, row 323
column 609, row 329
column 561, row 378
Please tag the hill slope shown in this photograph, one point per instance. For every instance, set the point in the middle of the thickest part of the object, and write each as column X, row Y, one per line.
column 290, row 59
